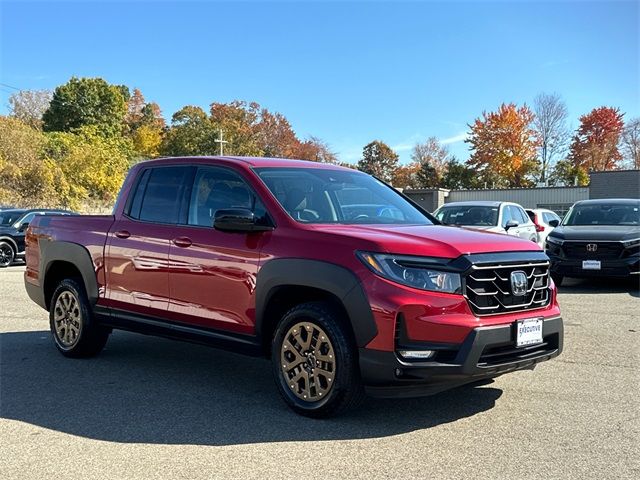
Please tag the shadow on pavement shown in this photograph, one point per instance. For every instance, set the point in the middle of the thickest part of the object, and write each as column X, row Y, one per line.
column 601, row 285
column 151, row 390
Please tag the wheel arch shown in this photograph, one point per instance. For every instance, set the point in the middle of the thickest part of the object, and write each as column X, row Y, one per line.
column 10, row 240
column 284, row 283
column 60, row 260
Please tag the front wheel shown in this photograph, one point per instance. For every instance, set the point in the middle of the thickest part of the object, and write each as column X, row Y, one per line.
column 315, row 361
column 74, row 329
column 6, row 254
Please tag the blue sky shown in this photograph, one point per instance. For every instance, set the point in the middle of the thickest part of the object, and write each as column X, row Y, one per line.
column 345, row 72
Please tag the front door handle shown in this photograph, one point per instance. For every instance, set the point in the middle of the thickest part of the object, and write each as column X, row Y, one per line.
column 182, row 242
column 122, row 234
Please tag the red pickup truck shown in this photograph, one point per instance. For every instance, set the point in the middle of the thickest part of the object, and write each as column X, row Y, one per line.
column 346, row 284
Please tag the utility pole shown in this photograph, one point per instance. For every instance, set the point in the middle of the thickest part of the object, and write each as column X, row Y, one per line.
column 221, row 141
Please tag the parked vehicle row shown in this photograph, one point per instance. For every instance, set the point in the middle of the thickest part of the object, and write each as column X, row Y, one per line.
column 348, row 286
column 13, row 225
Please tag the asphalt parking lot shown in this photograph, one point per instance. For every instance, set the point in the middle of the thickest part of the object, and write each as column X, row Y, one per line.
column 152, row 408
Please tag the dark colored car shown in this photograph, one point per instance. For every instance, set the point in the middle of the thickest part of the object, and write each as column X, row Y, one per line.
column 346, row 284
column 13, row 224
column 597, row 238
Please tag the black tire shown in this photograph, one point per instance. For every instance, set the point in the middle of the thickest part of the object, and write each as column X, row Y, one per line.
column 7, row 254
column 346, row 391
column 75, row 331
column 557, row 279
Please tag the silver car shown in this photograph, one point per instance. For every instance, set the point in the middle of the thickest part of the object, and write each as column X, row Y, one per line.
column 500, row 217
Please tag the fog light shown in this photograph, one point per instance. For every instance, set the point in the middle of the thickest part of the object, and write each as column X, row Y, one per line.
column 417, row 354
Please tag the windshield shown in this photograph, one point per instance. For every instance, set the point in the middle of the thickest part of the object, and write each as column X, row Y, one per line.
column 9, row 217
column 312, row 195
column 472, row 215
column 603, row 214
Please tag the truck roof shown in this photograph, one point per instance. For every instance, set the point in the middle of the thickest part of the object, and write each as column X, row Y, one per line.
column 251, row 161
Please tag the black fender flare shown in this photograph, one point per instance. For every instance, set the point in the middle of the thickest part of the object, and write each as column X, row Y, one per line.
column 77, row 255
column 10, row 240
column 331, row 278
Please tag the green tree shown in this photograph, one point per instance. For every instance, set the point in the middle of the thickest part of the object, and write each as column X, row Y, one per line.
column 566, row 172
column 191, row 133
column 86, row 101
column 378, row 159
column 458, row 175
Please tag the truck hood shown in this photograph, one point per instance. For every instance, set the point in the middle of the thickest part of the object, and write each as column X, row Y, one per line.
column 428, row 240
column 612, row 233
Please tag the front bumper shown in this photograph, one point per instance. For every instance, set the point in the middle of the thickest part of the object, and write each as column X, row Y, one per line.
column 487, row 352
column 618, row 267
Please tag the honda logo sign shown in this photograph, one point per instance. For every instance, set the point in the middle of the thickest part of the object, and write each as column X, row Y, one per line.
column 518, row 283
column 592, row 247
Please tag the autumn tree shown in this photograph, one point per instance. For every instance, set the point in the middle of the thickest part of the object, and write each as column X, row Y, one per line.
column 503, row 146
column 28, row 106
column 27, row 180
column 94, row 164
column 238, row 120
column 631, row 143
column 378, row 159
column 432, row 158
column 86, row 101
column 315, row 150
column 595, row 144
column 550, row 122
column 406, row 176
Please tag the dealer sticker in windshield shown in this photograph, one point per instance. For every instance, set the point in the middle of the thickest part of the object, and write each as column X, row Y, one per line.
column 591, row 264
column 529, row 331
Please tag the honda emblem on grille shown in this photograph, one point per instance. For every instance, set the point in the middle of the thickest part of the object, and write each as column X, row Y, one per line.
column 518, row 283
column 592, row 247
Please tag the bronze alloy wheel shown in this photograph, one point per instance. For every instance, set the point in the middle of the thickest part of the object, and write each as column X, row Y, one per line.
column 67, row 319
column 308, row 362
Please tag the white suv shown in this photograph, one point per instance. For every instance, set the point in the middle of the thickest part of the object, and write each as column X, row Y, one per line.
column 500, row 217
column 545, row 221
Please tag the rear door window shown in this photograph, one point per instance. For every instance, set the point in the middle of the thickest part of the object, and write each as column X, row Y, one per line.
column 161, row 198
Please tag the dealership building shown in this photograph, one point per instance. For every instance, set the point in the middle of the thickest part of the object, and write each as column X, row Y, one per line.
column 612, row 184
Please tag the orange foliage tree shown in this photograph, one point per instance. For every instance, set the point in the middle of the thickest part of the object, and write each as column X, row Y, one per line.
column 503, row 146
column 595, row 144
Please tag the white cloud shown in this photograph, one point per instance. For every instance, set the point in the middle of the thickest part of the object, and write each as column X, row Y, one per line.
column 455, row 139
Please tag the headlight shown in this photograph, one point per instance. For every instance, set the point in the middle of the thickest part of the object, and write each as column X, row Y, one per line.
column 416, row 272
column 631, row 243
column 554, row 240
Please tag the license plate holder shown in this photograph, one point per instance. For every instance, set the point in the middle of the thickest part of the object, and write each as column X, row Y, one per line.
column 591, row 265
column 529, row 331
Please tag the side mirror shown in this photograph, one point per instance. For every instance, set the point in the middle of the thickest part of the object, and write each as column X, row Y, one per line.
column 238, row 220
column 23, row 227
column 554, row 223
column 511, row 224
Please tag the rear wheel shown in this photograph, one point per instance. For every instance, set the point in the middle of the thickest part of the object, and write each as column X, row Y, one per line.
column 74, row 329
column 7, row 254
column 315, row 361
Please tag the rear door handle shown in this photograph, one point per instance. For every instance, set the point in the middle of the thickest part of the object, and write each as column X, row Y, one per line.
column 122, row 234
column 182, row 242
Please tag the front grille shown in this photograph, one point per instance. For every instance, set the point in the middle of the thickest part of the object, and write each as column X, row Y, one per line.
column 603, row 250
column 488, row 289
